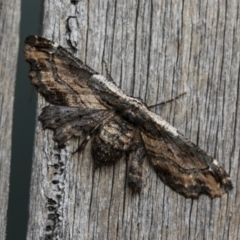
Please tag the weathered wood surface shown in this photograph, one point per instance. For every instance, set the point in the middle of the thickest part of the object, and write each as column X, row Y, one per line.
column 9, row 25
column 155, row 50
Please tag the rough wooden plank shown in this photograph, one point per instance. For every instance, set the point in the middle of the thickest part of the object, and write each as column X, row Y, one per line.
column 155, row 50
column 9, row 27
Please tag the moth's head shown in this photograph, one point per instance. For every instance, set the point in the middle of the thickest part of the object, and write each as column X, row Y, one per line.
column 135, row 111
column 136, row 104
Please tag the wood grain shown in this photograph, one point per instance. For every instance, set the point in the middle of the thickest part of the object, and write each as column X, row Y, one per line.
column 155, row 50
column 9, row 25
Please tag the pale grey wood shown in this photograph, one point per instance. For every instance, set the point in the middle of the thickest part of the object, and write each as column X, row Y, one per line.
column 155, row 50
column 9, row 39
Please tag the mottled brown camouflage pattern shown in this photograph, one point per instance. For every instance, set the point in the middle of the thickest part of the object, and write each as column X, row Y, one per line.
column 83, row 100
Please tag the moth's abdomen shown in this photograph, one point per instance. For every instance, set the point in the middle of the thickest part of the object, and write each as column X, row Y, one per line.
column 111, row 140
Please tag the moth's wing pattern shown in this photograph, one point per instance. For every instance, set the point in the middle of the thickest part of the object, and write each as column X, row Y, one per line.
column 58, row 75
column 69, row 121
column 181, row 164
column 62, row 80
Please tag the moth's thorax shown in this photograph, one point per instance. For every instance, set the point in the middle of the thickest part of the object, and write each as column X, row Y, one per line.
column 132, row 109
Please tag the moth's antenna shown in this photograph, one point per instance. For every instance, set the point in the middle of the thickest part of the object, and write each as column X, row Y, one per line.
column 109, row 77
column 170, row 100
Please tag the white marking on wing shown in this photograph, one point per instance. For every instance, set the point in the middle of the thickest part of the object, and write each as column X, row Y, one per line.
column 111, row 86
column 55, row 45
column 214, row 162
column 163, row 123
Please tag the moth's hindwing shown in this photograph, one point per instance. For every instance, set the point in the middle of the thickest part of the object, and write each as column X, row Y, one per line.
column 69, row 121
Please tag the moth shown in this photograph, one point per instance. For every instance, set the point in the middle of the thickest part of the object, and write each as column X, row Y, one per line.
column 83, row 100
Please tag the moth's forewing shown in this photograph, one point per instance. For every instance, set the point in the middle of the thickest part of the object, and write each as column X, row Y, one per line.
column 181, row 164
column 58, row 76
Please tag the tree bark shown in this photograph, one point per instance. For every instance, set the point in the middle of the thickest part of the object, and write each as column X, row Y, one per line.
column 9, row 25
column 155, row 50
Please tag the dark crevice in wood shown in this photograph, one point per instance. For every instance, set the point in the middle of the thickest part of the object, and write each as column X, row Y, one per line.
column 135, row 50
column 113, row 27
column 149, row 52
column 189, row 221
column 104, row 44
column 86, row 43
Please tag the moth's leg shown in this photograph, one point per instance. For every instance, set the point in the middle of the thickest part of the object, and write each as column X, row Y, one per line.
column 109, row 77
column 90, row 134
column 135, row 170
column 86, row 139
column 170, row 100
column 70, row 38
column 83, row 144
